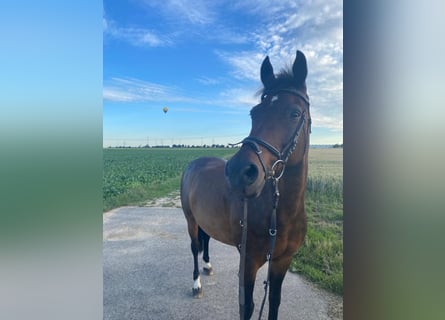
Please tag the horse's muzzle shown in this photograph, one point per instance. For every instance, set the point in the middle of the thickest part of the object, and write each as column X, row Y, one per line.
column 244, row 177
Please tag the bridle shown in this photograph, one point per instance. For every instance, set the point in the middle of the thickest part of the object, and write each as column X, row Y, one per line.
column 283, row 155
column 275, row 173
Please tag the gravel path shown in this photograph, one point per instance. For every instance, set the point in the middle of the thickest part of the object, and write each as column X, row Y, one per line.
column 148, row 274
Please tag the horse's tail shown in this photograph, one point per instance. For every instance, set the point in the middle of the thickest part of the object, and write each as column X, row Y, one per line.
column 201, row 237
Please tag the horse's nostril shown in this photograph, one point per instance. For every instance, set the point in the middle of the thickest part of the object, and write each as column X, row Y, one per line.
column 250, row 174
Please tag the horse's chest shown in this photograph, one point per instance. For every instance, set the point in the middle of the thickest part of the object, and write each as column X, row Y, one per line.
column 290, row 236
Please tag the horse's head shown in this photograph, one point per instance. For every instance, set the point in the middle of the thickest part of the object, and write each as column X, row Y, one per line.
column 280, row 130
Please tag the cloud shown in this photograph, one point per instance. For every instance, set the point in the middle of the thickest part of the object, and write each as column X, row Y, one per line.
column 333, row 122
column 245, row 64
column 275, row 28
column 316, row 28
column 181, row 22
column 239, row 97
column 135, row 36
column 208, row 81
column 265, row 9
column 135, row 90
column 198, row 13
column 125, row 90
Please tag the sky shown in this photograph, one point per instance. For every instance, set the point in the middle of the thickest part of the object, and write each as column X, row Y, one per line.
column 201, row 59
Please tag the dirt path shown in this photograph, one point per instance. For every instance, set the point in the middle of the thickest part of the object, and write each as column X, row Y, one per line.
column 173, row 200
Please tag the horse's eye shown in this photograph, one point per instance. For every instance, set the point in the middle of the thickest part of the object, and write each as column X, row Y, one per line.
column 295, row 114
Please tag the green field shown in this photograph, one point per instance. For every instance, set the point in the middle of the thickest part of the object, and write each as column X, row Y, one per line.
column 134, row 176
column 321, row 257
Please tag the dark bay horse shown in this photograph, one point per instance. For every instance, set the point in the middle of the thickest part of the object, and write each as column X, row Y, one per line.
column 265, row 180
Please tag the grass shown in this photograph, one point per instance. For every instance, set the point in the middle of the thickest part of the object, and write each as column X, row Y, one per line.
column 135, row 176
column 320, row 258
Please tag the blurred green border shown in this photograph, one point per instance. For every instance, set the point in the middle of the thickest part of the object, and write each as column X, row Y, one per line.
column 51, row 160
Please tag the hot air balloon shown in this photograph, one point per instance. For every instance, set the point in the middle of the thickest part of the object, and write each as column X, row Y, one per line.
column 165, row 109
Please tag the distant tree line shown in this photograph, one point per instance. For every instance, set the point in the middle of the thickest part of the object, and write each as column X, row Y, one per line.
column 177, row 146
column 180, row 146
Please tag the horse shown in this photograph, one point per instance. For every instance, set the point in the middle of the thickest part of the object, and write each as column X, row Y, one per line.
column 262, row 186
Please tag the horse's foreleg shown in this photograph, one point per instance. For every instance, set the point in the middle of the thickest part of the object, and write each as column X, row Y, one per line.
column 251, row 269
column 249, row 304
column 277, row 274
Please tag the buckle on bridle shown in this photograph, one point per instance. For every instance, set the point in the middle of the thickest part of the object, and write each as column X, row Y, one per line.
column 277, row 170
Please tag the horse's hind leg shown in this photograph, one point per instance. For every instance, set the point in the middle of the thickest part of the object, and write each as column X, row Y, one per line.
column 197, row 288
column 195, row 246
column 204, row 239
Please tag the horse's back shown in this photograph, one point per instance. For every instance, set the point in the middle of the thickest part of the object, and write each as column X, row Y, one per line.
column 204, row 196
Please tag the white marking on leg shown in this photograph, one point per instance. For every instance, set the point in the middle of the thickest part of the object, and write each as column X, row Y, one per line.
column 207, row 265
column 197, row 283
column 274, row 98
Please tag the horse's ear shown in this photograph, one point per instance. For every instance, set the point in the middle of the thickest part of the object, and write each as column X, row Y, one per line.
column 299, row 68
column 267, row 76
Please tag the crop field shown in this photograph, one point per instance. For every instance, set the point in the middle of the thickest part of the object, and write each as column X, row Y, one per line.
column 133, row 176
column 321, row 257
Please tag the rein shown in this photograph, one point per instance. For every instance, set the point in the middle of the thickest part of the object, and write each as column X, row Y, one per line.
column 242, row 246
column 275, row 174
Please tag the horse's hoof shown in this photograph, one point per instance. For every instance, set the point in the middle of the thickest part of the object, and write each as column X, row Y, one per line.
column 207, row 271
column 197, row 293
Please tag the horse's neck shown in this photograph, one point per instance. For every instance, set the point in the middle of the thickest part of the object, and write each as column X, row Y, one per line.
column 293, row 186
